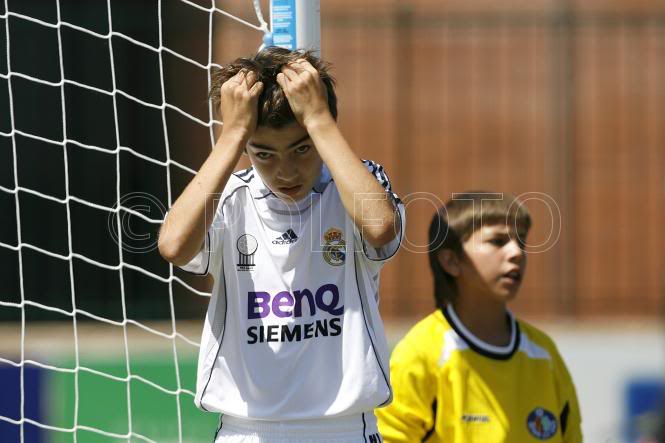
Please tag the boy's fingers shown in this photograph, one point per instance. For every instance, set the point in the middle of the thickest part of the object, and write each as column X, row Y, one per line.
column 235, row 80
column 256, row 89
column 281, row 80
column 304, row 65
column 239, row 77
column 250, row 78
column 296, row 66
column 311, row 69
column 289, row 73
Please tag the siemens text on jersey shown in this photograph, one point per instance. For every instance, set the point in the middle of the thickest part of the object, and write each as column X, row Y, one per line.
column 263, row 305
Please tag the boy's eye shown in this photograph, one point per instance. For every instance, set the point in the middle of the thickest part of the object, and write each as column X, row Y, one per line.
column 302, row 149
column 497, row 241
column 501, row 241
column 263, row 155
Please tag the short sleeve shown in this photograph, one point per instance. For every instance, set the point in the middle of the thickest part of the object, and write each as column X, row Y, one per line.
column 570, row 417
column 200, row 264
column 387, row 251
column 411, row 415
column 209, row 255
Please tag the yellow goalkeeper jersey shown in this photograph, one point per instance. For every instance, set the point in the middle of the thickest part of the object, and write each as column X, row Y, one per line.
column 449, row 386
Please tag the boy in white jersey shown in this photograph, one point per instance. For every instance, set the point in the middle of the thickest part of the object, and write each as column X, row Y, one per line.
column 470, row 372
column 293, row 346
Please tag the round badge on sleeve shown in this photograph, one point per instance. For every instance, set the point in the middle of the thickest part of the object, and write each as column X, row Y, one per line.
column 541, row 423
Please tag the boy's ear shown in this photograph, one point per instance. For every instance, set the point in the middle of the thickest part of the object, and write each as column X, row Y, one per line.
column 450, row 262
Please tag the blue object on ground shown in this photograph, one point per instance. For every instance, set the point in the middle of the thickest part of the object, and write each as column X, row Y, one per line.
column 10, row 402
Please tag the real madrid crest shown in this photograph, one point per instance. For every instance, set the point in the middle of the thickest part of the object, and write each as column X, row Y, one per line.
column 334, row 249
column 247, row 246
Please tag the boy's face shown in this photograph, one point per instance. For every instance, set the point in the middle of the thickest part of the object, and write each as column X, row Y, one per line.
column 286, row 160
column 496, row 261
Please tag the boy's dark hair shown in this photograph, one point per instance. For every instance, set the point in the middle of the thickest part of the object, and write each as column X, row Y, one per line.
column 458, row 219
column 274, row 109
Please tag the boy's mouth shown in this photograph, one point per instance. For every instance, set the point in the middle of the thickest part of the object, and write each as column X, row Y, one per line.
column 290, row 190
column 514, row 276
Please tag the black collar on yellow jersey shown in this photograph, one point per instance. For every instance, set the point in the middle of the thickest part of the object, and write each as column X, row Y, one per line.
column 479, row 346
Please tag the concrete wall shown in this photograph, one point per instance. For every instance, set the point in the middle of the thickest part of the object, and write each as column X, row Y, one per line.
column 603, row 360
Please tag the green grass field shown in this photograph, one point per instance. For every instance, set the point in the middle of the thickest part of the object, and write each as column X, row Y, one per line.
column 103, row 402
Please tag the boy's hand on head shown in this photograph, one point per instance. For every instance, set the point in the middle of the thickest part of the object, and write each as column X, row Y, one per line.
column 239, row 103
column 305, row 92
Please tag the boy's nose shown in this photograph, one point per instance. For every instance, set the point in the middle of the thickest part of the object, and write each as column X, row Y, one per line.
column 287, row 171
column 515, row 251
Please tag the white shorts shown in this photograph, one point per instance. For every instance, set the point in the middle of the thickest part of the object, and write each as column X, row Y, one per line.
column 360, row 428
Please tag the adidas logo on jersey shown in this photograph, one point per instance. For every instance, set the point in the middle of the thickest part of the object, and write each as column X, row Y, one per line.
column 286, row 239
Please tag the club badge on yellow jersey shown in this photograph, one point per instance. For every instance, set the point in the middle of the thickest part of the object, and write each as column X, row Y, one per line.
column 541, row 424
column 334, row 249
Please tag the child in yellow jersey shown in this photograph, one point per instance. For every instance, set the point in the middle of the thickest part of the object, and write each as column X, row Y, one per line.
column 471, row 372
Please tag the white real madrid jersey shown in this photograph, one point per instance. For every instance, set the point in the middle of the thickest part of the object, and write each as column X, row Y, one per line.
column 292, row 329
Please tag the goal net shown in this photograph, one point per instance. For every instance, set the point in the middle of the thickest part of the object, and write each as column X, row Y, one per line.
column 104, row 120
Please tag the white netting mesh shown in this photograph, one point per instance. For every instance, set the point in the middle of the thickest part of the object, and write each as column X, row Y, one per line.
column 14, row 17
